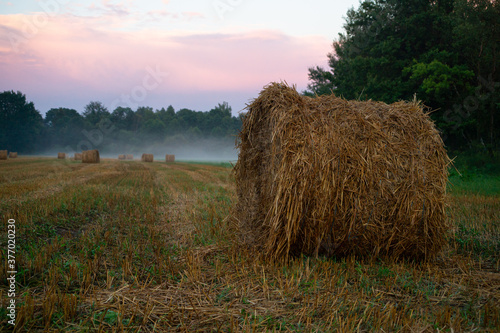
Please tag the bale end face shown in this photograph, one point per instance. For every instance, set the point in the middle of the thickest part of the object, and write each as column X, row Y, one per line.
column 3, row 154
column 13, row 154
column 329, row 176
column 91, row 156
column 169, row 158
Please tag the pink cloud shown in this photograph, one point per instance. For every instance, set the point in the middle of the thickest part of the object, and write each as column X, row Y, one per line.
column 70, row 55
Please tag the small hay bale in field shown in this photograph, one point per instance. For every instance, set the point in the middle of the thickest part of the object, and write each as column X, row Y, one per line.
column 129, row 157
column 334, row 177
column 78, row 157
column 91, row 156
column 169, row 158
column 121, row 157
column 61, row 156
column 3, row 154
column 13, row 154
column 147, row 158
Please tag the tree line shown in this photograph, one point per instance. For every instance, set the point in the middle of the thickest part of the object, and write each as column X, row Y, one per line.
column 444, row 52
column 23, row 129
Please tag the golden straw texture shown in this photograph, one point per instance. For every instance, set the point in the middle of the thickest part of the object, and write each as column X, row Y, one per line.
column 334, row 177
column 147, row 158
column 91, row 156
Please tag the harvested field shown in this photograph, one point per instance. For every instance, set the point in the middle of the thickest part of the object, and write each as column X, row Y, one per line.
column 149, row 247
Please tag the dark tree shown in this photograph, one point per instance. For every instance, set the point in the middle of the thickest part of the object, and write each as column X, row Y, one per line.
column 21, row 125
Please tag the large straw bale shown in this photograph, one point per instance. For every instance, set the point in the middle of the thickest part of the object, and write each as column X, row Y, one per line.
column 3, row 154
column 169, row 158
column 61, row 156
column 91, row 156
column 121, row 157
column 147, row 158
column 334, row 177
column 13, row 154
column 129, row 157
column 78, row 157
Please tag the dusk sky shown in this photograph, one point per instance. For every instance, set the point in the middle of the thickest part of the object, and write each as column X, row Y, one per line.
column 188, row 54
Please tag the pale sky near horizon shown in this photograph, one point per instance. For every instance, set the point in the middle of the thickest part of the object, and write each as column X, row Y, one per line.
column 188, row 54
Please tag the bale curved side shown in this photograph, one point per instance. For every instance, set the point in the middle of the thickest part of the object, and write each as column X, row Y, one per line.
column 330, row 176
column 147, row 158
column 3, row 154
column 61, row 156
column 91, row 156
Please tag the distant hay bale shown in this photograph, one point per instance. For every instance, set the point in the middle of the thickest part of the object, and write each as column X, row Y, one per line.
column 169, row 158
column 13, row 154
column 334, row 177
column 3, row 154
column 121, row 157
column 129, row 157
column 91, row 156
column 147, row 158
column 78, row 157
column 61, row 156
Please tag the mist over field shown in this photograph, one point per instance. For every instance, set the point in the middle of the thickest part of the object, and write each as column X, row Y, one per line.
column 208, row 149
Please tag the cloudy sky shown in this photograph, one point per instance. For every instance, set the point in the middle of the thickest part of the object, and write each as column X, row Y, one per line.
column 190, row 54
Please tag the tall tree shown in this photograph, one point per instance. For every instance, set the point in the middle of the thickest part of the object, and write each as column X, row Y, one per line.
column 21, row 125
column 63, row 126
column 442, row 50
column 95, row 112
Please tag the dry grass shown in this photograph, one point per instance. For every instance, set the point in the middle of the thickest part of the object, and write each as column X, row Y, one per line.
column 335, row 177
column 3, row 154
column 148, row 247
column 147, row 158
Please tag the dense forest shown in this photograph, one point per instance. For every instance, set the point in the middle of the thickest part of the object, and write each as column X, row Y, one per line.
column 442, row 52
column 23, row 129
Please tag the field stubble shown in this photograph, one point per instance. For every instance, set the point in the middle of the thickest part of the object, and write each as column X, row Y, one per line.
column 129, row 246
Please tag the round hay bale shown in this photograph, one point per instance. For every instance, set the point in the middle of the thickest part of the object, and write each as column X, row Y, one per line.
column 169, row 158
column 147, row 158
column 91, row 156
column 121, row 157
column 129, row 157
column 78, row 157
column 61, row 156
column 3, row 154
column 334, row 177
column 13, row 154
